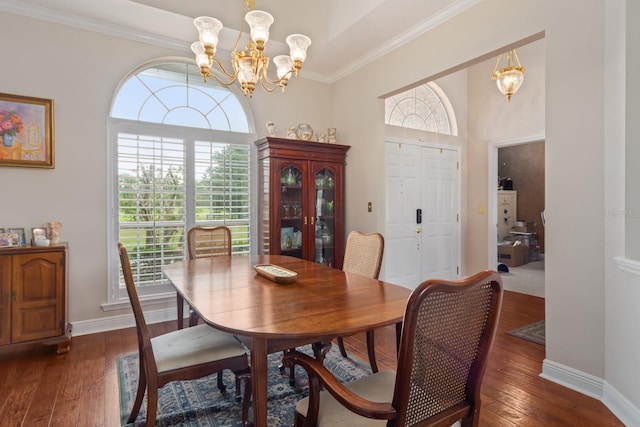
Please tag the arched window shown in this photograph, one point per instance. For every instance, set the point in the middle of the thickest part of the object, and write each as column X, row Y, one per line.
column 180, row 157
column 424, row 107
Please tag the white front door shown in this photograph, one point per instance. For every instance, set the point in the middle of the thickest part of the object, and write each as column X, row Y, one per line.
column 440, row 218
column 424, row 178
column 402, row 241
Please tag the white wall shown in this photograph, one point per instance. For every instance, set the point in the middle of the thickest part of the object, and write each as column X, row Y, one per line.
column 622, row 289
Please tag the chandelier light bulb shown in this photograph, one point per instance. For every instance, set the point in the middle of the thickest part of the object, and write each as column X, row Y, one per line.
column 259, row 23
column 208, row 29
column 298, row 44
column 510, row 78
column 509, row 81
column 284, row 65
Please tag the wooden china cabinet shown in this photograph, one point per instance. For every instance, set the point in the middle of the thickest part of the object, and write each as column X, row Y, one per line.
column 33, row 296
column 301, row 199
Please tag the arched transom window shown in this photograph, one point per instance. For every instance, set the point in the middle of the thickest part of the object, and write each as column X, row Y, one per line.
column 424, row 107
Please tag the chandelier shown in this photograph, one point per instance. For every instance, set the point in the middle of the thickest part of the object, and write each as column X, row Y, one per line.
column 250, row 65
column 510, row 78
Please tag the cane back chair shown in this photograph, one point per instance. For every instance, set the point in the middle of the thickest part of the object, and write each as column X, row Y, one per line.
column 204, row 242
column 448, row 331
column 363, row 255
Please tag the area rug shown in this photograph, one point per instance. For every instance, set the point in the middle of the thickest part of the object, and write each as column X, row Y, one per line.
column 199, row 403
column 533, row 332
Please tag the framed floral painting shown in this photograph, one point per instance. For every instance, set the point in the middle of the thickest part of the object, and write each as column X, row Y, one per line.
column 26, row 131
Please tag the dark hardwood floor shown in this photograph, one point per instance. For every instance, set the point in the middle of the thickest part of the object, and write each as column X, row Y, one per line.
column 40, row 388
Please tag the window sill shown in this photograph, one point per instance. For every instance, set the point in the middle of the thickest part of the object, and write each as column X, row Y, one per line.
column 145, row 301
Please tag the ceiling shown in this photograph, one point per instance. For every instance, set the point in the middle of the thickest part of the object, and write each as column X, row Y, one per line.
column 345, row 34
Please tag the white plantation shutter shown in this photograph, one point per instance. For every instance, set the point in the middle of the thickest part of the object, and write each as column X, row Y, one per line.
column 151, row 203
column 223, row 198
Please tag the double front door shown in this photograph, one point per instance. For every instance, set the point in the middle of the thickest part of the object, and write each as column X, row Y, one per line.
column 422, row 236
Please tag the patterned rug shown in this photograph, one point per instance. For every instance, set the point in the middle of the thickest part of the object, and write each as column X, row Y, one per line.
column 199, row 403
column 533, row 332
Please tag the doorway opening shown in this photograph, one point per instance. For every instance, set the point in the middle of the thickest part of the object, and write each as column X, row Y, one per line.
column 516, row 212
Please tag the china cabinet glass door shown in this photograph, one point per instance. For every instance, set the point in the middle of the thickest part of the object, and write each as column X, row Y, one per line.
column 324, row 218
column 291, row 212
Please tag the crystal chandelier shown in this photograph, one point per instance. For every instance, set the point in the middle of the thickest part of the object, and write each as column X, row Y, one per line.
column 510, row 78
column 250, row 65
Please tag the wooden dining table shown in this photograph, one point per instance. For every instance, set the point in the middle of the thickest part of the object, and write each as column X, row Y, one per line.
column 322, row 303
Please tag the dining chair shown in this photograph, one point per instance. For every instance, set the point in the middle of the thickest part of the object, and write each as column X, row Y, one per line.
column 181, row 355
column 204, row 242
column 363, row 255
column 448, row 331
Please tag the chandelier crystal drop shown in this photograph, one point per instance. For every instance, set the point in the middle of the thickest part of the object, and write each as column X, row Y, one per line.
column 250, row 65
column 510, row 78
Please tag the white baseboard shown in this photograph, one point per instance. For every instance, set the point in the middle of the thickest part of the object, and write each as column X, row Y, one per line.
column 573, row 379
column 594, row 387
column 626, row 411
column 113, row 323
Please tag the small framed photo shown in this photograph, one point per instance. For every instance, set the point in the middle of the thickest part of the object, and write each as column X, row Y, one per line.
column 286, row 237
column 38, row 233
column 9, row 239
column 20, row 233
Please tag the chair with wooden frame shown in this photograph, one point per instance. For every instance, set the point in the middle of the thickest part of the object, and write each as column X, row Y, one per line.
column 181, row 355
column 447, row 334
column 204, row 242
column 363, row 255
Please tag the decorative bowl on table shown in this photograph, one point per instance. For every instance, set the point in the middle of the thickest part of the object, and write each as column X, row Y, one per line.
column 275, row 273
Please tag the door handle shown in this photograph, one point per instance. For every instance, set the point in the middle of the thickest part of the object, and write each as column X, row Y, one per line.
column 418, row 230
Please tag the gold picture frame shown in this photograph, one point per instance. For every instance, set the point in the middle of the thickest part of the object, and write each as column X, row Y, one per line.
column 26, row 131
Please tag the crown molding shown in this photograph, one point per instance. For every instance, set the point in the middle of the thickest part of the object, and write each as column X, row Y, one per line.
column 83, row 23
column 444, row 15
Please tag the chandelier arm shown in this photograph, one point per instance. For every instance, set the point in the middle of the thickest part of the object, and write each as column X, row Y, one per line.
column 279, row 81
column 233, row 76
column 216, row 78
column 270, row 90
column 495, row 69
column 517, row 59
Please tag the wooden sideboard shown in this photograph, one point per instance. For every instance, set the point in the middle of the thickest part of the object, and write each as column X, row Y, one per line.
column 33, row 296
